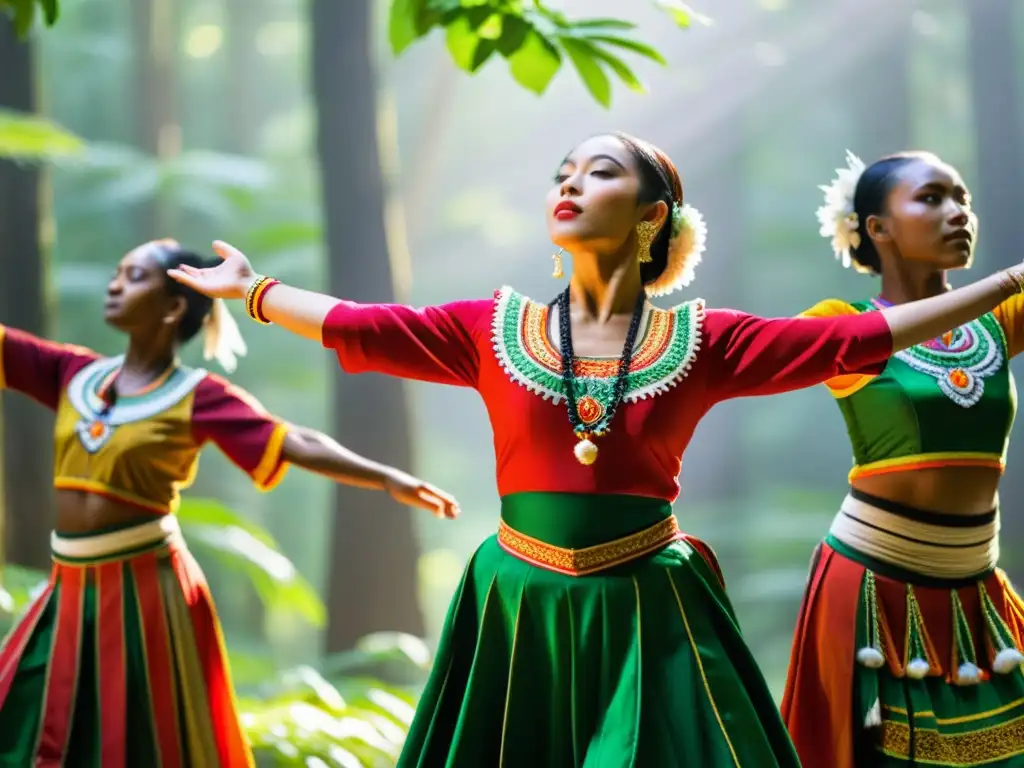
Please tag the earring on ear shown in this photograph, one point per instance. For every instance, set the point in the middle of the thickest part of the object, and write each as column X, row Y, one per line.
column 557, row 273
column 646, row 231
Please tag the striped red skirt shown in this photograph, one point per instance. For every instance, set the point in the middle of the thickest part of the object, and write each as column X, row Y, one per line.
column 120, row 661
column 893, row 667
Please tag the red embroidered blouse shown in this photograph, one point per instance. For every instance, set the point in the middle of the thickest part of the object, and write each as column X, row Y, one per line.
column 687, row 359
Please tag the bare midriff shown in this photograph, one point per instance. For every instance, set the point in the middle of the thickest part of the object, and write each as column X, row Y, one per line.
column 947, row 490
column 81, row 512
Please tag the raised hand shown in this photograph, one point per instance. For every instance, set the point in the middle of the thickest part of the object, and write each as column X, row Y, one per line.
column 228, row 280
column 413, row 492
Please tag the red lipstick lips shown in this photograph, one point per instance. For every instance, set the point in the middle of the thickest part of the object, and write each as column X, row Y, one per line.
column 566, row 210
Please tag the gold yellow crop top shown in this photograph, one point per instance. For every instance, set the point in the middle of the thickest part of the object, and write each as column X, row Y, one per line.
column 950, row 402
column 142, row 450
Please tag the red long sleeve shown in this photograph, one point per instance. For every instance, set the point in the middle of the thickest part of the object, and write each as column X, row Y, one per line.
column 752, row 355
column 236, row 423
column 36, row 367
column 436, row 344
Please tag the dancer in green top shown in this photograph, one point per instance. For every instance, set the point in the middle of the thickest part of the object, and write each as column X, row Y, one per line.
column 908, row 647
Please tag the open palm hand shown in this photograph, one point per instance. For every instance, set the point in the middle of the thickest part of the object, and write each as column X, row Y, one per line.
column 413, row 492
column 228, row 280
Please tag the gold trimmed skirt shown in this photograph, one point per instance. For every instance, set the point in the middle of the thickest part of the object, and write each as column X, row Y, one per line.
column 906, row 653
column 591, row 633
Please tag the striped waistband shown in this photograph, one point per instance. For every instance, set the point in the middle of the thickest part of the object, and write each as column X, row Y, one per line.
column 929, row 461
column 116, row 545
column 934, row 545
column 593, row 559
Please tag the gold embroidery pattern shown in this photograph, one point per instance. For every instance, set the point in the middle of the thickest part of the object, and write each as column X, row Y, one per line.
column 973, row 748
column 579, row 562
column 539, row 347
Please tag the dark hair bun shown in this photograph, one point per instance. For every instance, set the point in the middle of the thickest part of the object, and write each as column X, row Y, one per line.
column 171, row 255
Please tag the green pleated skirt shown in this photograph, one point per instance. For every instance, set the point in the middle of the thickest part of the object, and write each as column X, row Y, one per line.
column 639, row 666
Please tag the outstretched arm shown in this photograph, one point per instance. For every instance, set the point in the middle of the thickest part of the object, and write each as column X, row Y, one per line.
column 316, row 452
column 436, row 344
column 919, row 321
column 264, row 447
column 300, row 311
column 757, row 356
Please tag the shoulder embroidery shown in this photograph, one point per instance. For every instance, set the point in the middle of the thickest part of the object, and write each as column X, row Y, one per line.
column 974, row 352
column 664, row 358
column 960, row 369
column 98, row 422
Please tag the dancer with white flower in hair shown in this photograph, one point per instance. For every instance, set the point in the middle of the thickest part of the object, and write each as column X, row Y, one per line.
column 589, row 631
column 908, row 646
column 120, row 661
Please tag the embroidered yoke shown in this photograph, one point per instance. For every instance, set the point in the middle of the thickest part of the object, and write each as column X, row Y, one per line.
column 687, row 359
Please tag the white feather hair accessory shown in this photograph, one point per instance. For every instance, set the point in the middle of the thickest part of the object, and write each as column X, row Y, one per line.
column 839, row 222
column 685, row 250
column 222, row 338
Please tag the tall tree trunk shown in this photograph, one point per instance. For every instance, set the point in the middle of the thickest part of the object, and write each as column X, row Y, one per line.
column 242, row 84
column 372, row 582
column 997, row 117
column 27, row 430
column 157, row 131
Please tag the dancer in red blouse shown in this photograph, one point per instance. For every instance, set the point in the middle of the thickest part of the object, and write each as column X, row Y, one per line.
column 589, row 631
column 120, row 661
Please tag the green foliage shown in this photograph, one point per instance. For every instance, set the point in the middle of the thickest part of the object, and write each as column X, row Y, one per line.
column 533, row 38
column 23, row 12
column 341, row 714
column 308, row 720
column 17, row 586
column 682, row 14
column 28, row 137
column 215, row 531
column 210, row 185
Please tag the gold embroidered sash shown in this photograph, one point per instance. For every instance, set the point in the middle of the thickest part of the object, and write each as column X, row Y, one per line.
column 600, row 557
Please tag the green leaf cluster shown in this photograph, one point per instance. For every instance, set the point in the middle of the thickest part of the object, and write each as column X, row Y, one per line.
column 214, row 531
column 23, row 12
column 32, row 138
column 533, row 38
column 341, row 714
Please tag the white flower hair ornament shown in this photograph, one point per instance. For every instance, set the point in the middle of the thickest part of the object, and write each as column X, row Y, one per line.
column 685, row 249
column 222, row 338
column 839, row 222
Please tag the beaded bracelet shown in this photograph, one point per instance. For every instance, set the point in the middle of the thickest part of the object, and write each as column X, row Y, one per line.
column 254, row 298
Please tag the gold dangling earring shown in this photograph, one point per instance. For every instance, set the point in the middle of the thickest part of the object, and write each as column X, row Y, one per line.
column 645, row 234
column 558, row 274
